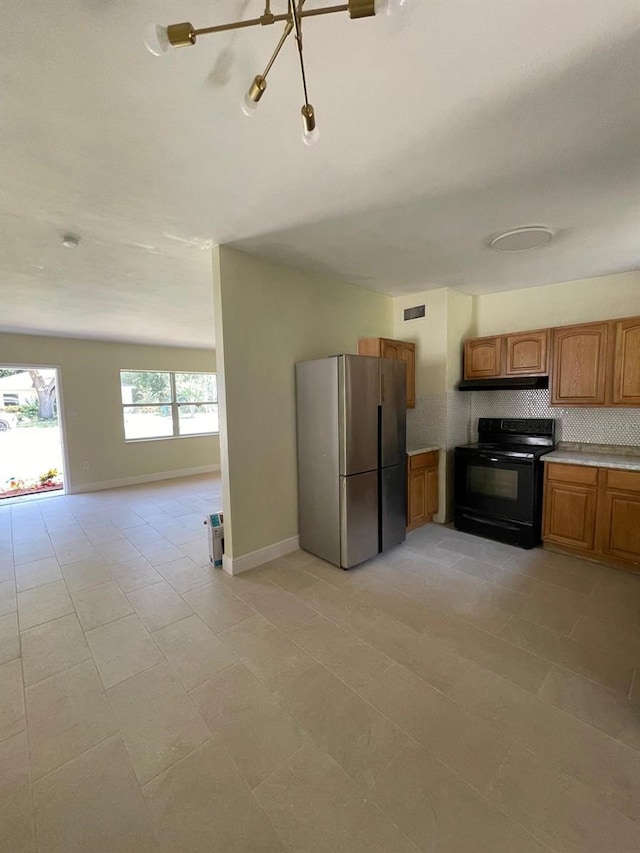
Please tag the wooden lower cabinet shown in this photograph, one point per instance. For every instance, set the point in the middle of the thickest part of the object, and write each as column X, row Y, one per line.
column 570, row 514
column 618, row 526
column 422, row 488
column 594, row 512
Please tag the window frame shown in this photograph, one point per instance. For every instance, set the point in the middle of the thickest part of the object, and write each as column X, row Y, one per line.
column 174, row 404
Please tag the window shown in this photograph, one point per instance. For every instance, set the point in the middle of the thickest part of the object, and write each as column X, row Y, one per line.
column 166, row 404
column 11, row 399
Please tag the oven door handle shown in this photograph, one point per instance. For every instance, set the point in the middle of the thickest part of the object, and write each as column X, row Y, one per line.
column 510, row 460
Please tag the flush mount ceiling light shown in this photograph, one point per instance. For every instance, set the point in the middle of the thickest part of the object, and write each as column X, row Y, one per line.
column 158, row 40
column 523, row 239
column 70, row 241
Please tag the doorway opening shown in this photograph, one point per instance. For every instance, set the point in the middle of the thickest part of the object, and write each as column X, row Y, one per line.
column 31, row 441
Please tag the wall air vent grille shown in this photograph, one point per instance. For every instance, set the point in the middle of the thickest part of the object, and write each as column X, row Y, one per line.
column 414, row 313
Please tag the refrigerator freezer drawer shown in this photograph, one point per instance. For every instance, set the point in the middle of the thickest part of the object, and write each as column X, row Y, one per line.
column 393, row 509
column 358, row 518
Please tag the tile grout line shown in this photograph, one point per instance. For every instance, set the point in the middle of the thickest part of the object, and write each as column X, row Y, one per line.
column 474, row 714
column 505, row 639
column 552, row 663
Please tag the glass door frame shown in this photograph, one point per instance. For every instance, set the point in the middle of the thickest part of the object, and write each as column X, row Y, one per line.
column 66, row 475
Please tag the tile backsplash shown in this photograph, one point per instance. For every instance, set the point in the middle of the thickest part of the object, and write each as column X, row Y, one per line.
column 449, row 418
column 440, row 418
column 601, row 426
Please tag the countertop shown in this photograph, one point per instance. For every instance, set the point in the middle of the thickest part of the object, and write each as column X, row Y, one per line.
column 414, row 451
column 595, row 460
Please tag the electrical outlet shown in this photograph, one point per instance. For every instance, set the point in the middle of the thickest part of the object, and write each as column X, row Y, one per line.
column 86, row 465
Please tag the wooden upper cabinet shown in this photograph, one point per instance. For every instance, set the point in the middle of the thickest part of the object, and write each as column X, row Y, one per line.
column 400, row 350
column 408, row 355
column 483, row 358
column 579, row 373
column 526, row 353
column 626, row 364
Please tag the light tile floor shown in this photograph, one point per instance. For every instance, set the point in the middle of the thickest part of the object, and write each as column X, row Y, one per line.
column 453, row 695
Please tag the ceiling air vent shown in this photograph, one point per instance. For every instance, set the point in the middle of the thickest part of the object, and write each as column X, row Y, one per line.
column 414, row 313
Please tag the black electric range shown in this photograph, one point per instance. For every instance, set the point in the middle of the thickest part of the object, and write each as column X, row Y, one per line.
column 498, row 480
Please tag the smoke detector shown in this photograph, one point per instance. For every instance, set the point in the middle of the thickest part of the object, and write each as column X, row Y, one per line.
column 69, row 241
column 523, row 239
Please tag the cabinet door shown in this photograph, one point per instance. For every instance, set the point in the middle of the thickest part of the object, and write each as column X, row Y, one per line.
column 626, row 369
column 417, row 498
column 431, row 486
column 408, row 355
column 570, row 515
column 579, row 371
column 403, row 351
column 482, row 358
column 619, row 525
column 527, row 353
column 390, row 349
column 422, row 488
column 370, row 346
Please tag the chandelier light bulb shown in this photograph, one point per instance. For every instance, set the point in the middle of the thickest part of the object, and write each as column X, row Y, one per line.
column 251, row 99
column 312, row 137
column 248, row 106
column 310, row 132
column 389, row 7
column 156, row 39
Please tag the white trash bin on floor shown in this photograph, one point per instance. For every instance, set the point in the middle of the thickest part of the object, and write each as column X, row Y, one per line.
column 215, row 523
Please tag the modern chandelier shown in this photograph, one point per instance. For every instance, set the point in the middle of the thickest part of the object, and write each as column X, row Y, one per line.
column 158, row 40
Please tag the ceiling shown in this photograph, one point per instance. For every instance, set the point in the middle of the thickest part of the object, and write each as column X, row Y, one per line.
column 439, row 128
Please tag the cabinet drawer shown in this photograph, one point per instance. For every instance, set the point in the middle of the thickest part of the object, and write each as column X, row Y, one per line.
column 424, row 460
column 581, row 474
column 625, row 481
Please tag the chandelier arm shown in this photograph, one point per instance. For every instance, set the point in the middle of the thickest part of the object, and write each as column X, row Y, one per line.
column 295, row 12
column 270, row 19
column 285, row 35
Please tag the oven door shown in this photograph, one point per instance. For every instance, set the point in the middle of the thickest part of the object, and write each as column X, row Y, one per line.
column 494, row 485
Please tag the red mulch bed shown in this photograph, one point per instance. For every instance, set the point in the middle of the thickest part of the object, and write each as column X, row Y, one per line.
column 34, row 490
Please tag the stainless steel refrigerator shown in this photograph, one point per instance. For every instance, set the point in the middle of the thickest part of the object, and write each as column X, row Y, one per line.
column 351, row 423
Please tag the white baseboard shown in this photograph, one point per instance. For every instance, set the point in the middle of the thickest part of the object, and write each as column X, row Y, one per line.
column 144, row 478
column 236, row 565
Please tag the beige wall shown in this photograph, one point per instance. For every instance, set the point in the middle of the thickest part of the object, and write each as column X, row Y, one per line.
column 268, row 317
column 449, row 318
column 602, row 298
column 461, row 322
column 428, row 333
column 90, row 384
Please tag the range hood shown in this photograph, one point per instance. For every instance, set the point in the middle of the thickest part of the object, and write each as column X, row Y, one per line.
column 508, row 383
